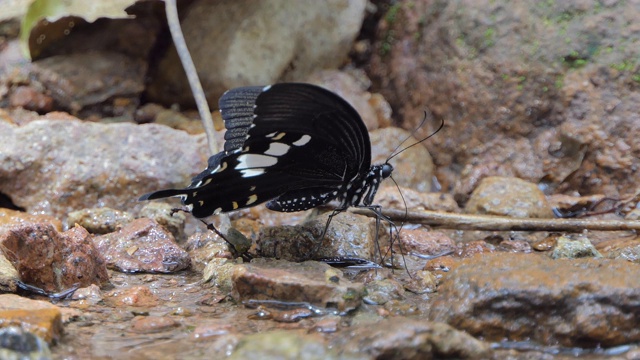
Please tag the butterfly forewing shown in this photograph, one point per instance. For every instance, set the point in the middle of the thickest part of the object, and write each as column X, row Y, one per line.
column 296, row 144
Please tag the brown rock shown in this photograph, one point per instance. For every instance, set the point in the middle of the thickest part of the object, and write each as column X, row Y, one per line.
column 142, row 246
column 389, row 197
column 10, row 218
column 54, row 261
column 508, row 296
column 406, row 338
column 308, row 282
column 163, row 214
column 413, row 168
column 137, row 296
column 152, row 324
column 89, row 78
column 38, row 317
column 513, row 109
column 30, row 99
column 99, row 220
column 425, row 242
column 508, row 197
column 627, row 249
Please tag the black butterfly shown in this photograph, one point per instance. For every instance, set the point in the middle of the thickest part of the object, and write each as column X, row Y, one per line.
column 294, row 145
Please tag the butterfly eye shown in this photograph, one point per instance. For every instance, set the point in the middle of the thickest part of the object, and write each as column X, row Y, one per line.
column 387, row 169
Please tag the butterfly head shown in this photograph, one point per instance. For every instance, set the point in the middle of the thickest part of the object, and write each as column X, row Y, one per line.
column 386, row 170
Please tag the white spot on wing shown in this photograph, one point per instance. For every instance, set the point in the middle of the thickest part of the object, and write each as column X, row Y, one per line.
column 277, row 149
column 279, row 136
column 272, row 134
column 266, row 88
column 303, row 140
column 250, row 161
column 251, row 172
column 252, row 199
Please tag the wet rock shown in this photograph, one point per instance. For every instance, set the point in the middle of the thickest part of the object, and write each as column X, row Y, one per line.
column 10, row 218
column 547, row 243
column 99, row 220
column 379, row 292
column 17, row 343
column 421, row 282
column 39, row 317
column 90, row 78
column 309, row 282
column 31, row 99
column 508, row 197
column 405, row 338
column 87, row 296
column 389, row 197
column 627, row 249
column 58, row 166
column 286, row 345
column 142, row 246
column 519, row 246
column 206, row 331
column 9, row 276
column 575, row 247
column 152, row 324
column 54, row 261
column 219, row 272
column 309, row 35
column 573, row 205
column 203, row 247
column 472, row 248
column 349, row 235
column 137, row 296
column 327, row 324
column 425, row 242
column 413, row 168
column 163, row 214
column 592, row 300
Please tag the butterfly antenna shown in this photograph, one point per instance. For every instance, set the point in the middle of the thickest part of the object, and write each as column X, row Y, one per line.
column 394, row 154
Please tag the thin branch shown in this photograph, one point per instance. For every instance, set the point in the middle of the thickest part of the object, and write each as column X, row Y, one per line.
column 500, row 223
column 192, row 75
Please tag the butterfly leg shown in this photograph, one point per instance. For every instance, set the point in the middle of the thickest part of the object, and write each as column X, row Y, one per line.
column 235, row 251
column 377, row 210
column 326, row 228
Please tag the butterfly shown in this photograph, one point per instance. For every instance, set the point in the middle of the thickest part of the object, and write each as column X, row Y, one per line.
column 295, row 146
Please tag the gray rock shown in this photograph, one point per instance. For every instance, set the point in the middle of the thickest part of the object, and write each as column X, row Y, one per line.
column 57, row 166
column 239, row 43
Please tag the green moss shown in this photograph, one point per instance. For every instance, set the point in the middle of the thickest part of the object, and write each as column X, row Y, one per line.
column 626, row 65
column 392, row 13
column 489, row 37
column 559, row 83
column 575, row 60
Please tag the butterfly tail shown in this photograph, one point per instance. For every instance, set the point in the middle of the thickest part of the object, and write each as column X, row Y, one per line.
column 163, row 194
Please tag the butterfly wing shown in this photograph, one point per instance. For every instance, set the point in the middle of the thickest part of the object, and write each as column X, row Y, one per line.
column 284, row 142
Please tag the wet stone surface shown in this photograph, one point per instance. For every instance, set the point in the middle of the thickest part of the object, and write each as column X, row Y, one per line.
column 591, row 307
column 308, row 282
column 142, row 246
